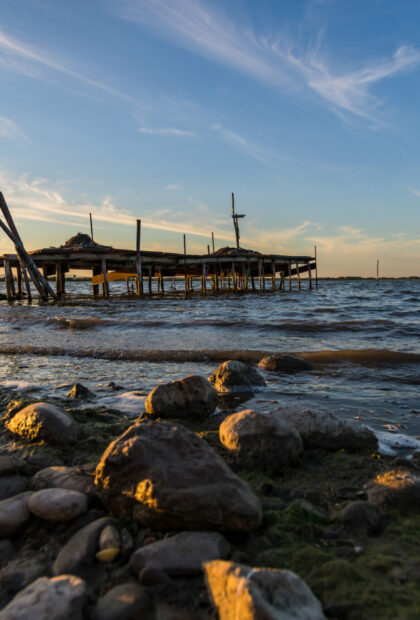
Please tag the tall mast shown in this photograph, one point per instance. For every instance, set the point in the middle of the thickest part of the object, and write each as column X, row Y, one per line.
column 235, row 217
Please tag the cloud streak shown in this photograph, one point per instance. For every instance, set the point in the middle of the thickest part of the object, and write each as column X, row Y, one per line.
column 166, row 131
column 12, row 131
column 274, row 58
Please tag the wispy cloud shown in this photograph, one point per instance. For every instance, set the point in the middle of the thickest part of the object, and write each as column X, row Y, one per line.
column 416, row 192
column 272, row 57
column 18, row 56
column 243, row 144
column 166, row 131
column 174, row 187
column 12, row 131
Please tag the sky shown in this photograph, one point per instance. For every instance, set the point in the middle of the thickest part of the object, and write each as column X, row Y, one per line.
column 159, row 109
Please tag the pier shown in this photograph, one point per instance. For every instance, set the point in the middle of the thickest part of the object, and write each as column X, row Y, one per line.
column 228, row 269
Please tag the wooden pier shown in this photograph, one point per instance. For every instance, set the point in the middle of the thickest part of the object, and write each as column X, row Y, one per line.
column 228, row 269
column 224, row 270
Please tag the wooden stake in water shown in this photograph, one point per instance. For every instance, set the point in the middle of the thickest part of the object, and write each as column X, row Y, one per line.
column 185, row 264
column 316, row 268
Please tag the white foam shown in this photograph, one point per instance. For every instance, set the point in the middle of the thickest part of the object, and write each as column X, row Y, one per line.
column 126, row 402
column 393, row 443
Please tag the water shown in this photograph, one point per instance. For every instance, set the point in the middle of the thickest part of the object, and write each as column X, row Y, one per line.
column 363, row 339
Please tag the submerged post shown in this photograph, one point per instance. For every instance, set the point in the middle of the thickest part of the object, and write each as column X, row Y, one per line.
column 105, row 286
column 185, row 264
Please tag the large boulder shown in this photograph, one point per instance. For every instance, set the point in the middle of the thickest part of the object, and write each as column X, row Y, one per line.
column 190, row 397
column 235, row 376
column 182, row 554
column 78, row 554
column 57, row 504
column 397, row 489
column 239, row 591
column 14, row 514
column 327, row 431
column 43, row 422
column 260, row 440
column 284, row 363
column 166, row 477
column 59, row 598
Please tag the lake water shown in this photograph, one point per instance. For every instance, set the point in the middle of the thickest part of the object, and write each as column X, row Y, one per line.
column 363, row 339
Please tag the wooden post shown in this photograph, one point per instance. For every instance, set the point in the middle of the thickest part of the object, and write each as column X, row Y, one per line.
column 96, row 270
column 19, row 281
column 234, row 277
column 161, row 282
column 205, row 278
column 105, row 286
column 282, row 280
column 58, row 279
column 150, row 280
column 290, row 275
column 139, row 279
column 7, row 278
column 310, row 275
column 212, row 241
column 25, row 260
column 316, row 268
column 263, row 274
column 298, row 274
column 208, row 249
column 273, row 274
column 259, row 274
column 377, row 272
column 91, row 226
column 185, row 264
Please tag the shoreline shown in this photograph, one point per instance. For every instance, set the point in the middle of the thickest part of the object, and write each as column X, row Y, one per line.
column 313, row 522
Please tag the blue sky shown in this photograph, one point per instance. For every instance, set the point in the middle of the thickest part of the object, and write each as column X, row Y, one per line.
column 159, row 109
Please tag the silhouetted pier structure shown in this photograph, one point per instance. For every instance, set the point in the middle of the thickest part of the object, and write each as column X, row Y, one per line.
column 227, row 269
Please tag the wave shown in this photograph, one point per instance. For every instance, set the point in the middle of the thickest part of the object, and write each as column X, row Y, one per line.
column 317, row 358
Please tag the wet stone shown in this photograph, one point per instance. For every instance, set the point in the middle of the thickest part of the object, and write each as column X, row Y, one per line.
column 284, row 363
column 190, row 397
column 235, row 376
column 43, row 422
column 57, row 504
column 72, row 478
column 14, row 514
column 128, row 601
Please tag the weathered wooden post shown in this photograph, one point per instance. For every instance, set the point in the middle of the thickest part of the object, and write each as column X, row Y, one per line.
column 204, row 276
column 290, row 275
column 298, row 274
column 105, row 285
column 185, row 264
column 259, row 274
column 7, row 279
column 273, row 274
column 58, row 279
column 316, row 268
column 139, row 279
column 19, row 281
column 212, row 241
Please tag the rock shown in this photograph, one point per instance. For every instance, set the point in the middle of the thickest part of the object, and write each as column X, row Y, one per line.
column 57, row 504
column 114, row 386
column 10, row 464
column 109, row 538
column 79, row 552
column 260, row 440
column 361, row 517
column 12, row 485
column 235, row 376
column 128, row 601
column 79, row 391
column 167, row 477
column 182, row 554
column 239, row 591
column 284, row 363
column 107, row 555
column 190, row 397
column 18, row 573
column 396, row 489
column 14, row 514
column 328, row 431
column 43, row 422
column 59, row 598
column 7, row 551
column 72, row 478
